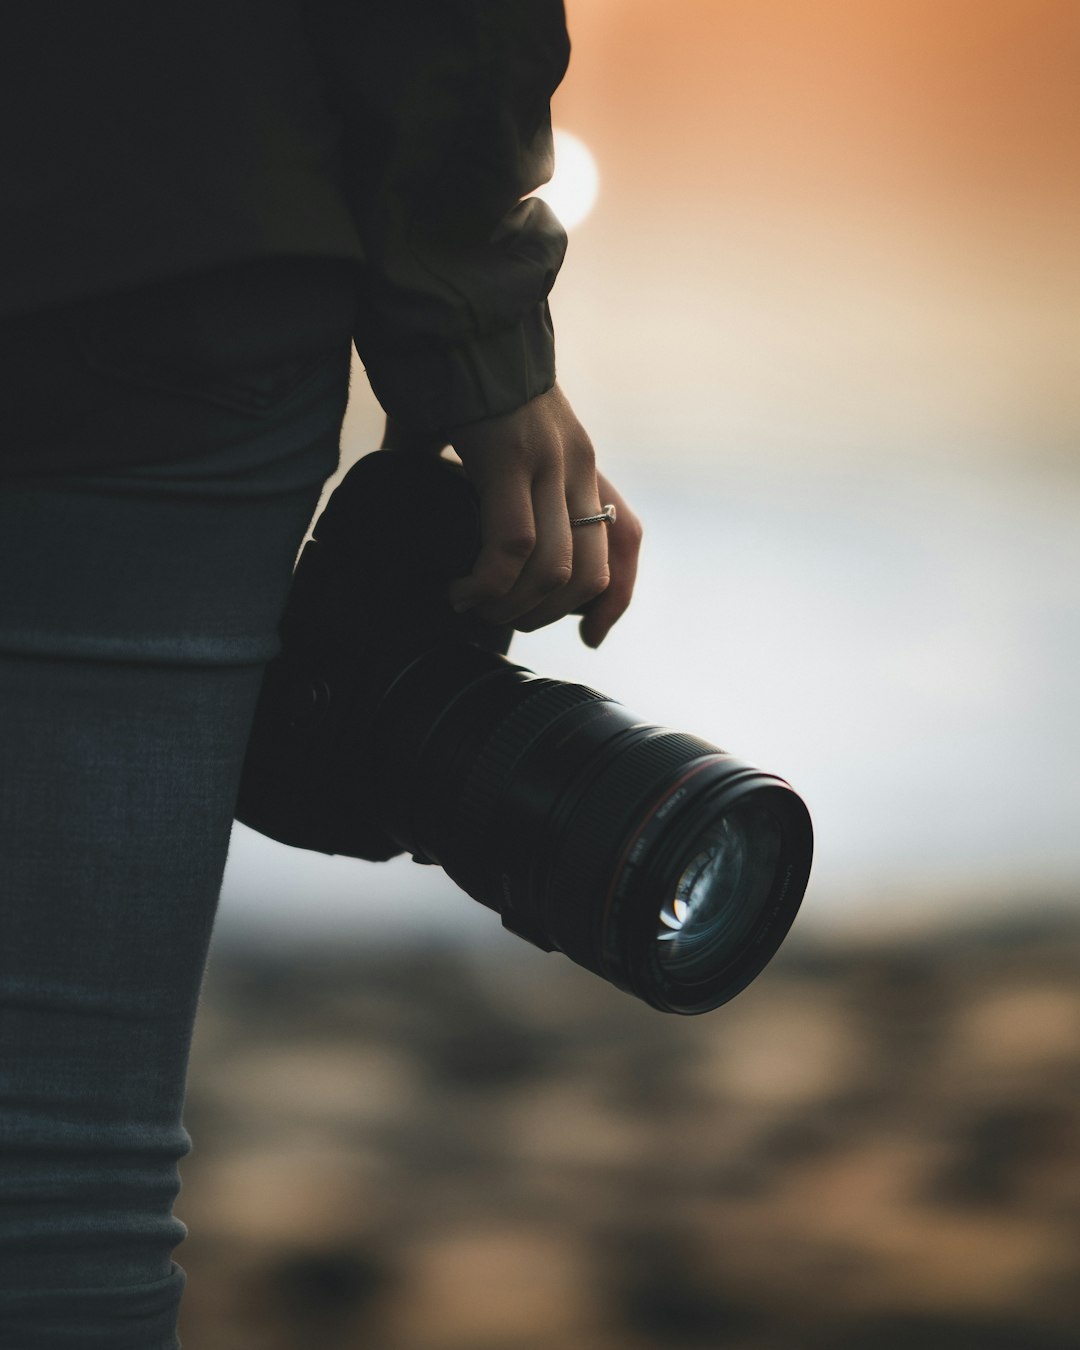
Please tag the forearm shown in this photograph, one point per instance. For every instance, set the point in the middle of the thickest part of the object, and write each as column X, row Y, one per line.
column 444, row 107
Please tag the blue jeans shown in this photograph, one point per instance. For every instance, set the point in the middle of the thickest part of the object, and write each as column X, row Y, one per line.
column 150, row 513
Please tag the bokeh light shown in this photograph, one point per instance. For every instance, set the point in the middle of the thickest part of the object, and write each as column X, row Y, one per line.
column 575, row 185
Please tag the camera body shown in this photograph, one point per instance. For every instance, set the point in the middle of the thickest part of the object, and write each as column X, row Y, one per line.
column 368, row 597
column 390, row 724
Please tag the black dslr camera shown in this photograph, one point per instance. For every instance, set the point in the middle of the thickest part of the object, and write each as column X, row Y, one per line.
column 390, row 724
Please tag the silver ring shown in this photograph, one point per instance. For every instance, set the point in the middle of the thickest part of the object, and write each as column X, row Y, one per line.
column 606, row 517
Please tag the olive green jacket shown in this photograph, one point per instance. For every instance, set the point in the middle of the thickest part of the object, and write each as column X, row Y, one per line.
column 140, row 141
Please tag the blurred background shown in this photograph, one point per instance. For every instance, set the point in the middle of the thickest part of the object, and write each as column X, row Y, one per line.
column 821, row 315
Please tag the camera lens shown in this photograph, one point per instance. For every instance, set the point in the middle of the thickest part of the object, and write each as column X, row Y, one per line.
column 648, row 856
column 716, row 903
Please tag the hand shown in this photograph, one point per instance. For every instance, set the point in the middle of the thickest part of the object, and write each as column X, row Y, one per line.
column 533, row 470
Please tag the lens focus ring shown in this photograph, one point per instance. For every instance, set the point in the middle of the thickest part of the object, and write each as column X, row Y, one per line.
column 614, row 801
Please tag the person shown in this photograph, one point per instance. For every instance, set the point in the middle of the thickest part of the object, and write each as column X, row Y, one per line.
column 206, row 203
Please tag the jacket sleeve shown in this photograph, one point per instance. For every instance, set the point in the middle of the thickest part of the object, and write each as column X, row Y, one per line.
column 444, row 106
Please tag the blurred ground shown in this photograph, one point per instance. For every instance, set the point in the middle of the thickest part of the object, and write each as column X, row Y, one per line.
column 876, row 1145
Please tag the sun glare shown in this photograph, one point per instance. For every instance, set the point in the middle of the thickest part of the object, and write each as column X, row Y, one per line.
column 573, row 189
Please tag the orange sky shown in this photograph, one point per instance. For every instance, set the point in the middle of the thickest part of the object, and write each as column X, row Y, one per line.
column 812, row 210
column 974, row 100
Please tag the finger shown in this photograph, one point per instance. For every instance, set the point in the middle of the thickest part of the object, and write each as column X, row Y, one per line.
column 508, row 537
column 604, row 612
column 589, row 577
column 624, row 547
column 550, row 566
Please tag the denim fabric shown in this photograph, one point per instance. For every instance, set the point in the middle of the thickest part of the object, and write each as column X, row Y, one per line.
column 138, row 604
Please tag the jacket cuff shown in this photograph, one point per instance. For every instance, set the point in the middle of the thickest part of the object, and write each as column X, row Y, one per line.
column 433, row 387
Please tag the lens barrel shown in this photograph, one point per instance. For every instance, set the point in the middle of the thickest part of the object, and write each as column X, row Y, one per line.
column 646, row 855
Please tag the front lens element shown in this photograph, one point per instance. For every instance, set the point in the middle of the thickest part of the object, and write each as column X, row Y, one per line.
column 719, row 897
